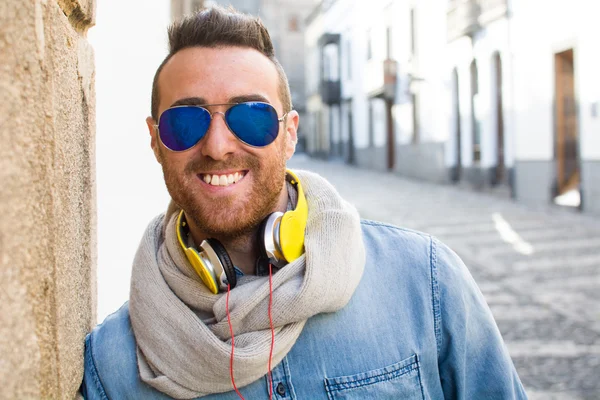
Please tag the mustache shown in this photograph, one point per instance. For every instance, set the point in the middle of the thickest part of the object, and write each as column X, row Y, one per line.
column 208, row 164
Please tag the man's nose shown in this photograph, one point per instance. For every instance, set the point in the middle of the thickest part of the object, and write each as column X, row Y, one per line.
column 219, row 142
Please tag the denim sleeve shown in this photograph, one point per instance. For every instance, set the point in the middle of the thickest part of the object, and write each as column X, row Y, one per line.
column 91, row 387
column 473, row 361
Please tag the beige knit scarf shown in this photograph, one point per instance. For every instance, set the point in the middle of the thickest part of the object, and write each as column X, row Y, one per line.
column 181, row 329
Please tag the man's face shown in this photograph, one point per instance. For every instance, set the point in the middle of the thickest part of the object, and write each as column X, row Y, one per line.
column 196, row 178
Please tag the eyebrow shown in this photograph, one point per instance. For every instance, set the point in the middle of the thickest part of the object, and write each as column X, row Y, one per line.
column 199, row 101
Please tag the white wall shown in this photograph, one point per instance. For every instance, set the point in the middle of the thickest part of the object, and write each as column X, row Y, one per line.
column 567, row 24
column 588, row 70
column 312, row 60
column 355, row 25
column 129, row 42
column 589, row 93
column 533, row 83
column 401, row 42
column 379, row 123
column 434, row 90
column 312, row 64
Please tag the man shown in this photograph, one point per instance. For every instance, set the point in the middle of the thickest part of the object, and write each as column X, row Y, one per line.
column 263, row 283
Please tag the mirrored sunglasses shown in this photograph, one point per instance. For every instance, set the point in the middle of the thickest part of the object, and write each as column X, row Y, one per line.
column 254, row 123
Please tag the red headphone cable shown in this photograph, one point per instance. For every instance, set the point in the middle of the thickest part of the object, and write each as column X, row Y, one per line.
column 270, row 375
column 272, row 330
column 232, row 343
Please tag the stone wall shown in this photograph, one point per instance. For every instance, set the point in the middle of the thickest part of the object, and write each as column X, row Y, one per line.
column 47, row 200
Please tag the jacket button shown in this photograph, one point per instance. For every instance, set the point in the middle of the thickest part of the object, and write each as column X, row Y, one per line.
column 281, row 389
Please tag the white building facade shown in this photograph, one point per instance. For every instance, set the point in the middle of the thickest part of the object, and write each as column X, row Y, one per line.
column 479, row 64
column 373, row 87
column 525, row 99
column 557, row 101
column 491, row 93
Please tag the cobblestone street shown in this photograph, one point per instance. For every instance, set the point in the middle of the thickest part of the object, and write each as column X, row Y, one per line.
column 539, row 269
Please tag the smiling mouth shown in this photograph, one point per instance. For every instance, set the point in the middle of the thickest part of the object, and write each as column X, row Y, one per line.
column 223, row 180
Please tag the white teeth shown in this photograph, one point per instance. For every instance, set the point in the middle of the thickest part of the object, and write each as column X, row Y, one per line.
column 222, row 180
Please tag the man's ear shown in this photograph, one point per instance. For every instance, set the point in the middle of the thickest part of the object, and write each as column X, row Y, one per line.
column 153, row 138
column 291, row 127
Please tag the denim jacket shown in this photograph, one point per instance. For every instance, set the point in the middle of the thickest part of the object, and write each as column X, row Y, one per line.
column 417, row 327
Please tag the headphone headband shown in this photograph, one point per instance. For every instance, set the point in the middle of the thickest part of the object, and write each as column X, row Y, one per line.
column 293, row 224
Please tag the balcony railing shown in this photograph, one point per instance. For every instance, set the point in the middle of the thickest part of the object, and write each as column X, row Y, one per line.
column 465, row 17
column 381, row 78
column 331, row 92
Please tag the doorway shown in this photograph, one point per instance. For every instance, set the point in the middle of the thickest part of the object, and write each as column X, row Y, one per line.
column 350, row 153
column 475, row 121
column 457, row 132
column 566, row 143
column 391, row 142
column 500, row 164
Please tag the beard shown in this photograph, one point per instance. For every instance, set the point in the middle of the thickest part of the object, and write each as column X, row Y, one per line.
column 228, row 218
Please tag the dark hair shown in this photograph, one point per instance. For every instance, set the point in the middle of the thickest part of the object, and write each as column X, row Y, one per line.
column 216, row 27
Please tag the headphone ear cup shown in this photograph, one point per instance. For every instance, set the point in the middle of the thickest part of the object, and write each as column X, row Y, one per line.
column 225, row 261
column 269, row 239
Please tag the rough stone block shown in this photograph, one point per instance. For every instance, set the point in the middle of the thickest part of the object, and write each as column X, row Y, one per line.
column 47, row 202
column 81, row 13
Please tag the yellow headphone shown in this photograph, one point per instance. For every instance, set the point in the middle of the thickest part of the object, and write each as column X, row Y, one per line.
column 281, row 240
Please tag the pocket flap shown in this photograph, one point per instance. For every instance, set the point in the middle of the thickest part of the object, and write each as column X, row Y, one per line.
column 401, row 378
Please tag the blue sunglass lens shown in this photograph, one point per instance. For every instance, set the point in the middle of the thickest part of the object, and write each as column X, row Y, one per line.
column 253, row 123
column 180, row 128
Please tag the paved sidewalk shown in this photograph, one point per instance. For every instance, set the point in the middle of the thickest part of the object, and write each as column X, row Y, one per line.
column 539, row 269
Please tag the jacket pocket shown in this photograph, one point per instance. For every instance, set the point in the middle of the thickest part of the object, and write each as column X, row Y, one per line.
column 397, row 381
